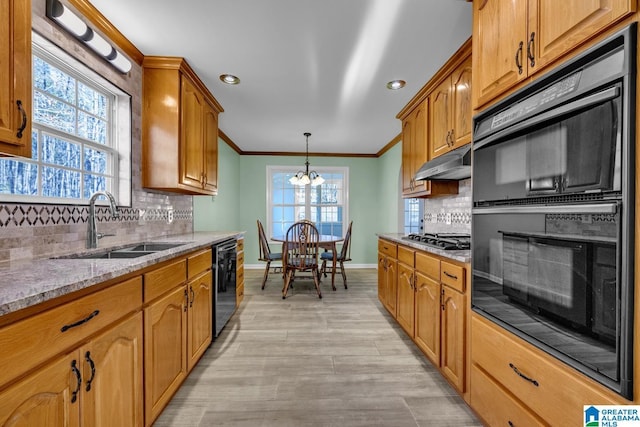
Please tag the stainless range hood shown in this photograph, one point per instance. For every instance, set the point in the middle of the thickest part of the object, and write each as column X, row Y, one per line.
column 454, row 165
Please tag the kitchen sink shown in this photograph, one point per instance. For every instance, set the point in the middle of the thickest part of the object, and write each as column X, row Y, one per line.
column 119, row 254
column 152, row 247
column 138, row 250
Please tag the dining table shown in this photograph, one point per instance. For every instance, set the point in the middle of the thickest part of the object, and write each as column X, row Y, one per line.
column 325, row 241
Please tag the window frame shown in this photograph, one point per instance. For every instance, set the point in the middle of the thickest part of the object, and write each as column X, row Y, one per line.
column 271, row 170
column 119, row 137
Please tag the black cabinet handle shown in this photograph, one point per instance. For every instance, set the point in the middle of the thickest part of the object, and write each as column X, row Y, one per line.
column 193, row 296
column 80, row 322
column 523, row 376
column 76, row 371
column 23, row 125
column 519, row 58
column 186, row 300
column 87, row 357
column 453, row 276
column 530, row 47
column 510, row 423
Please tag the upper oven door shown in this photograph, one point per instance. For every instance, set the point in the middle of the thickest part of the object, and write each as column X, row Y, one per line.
column 571, row 149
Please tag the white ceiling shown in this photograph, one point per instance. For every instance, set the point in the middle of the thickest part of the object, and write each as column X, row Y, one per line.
column 305, row 65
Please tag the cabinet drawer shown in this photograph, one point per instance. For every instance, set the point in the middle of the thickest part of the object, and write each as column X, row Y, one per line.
column 240, row 245
column 159, row 281
column 33, row 340
column 387, row 248
column 406, row 256
column 495, row 405
column 428, row 265
column 240, row 275
column 239, row 294
column 560, row 393
column 452, row 275
column 198, row 262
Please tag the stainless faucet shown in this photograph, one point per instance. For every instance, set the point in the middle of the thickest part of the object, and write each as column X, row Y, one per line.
column 92, row 233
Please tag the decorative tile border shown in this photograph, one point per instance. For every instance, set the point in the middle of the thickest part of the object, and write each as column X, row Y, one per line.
column 22, row 215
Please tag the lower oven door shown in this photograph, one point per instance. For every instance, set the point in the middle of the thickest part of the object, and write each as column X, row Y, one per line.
column 554, row 275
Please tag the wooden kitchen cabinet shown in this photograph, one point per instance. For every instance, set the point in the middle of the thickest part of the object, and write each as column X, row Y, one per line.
column 15, row 77
column 415, row 150
column 240, row 272
column 200, row 312
column 406, row 290
column 387, row 275
column 514, row 40
column 428, row 306
column 525, row 381
column 98, row 383
column 179, row 129
column 165, row 344
column 178, row 321
column 450, row 116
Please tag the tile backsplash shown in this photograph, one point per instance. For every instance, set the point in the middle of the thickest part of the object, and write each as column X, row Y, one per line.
column 449, row 214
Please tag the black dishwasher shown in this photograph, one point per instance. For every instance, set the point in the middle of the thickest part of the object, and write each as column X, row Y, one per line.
column 224, row 272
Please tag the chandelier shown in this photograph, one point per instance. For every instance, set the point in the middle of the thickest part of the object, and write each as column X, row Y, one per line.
column 305, row 177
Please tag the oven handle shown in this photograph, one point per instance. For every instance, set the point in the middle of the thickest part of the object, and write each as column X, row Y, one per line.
column 227, row 248
column 594, row 99
column 594, row 208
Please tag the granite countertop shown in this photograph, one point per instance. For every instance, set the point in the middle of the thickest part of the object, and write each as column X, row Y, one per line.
column 462, row 256
column 27, row 283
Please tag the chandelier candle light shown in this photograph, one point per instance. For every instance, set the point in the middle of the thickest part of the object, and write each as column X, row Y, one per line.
column 305, row 177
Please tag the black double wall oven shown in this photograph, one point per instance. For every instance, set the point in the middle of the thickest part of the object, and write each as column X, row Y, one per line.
column 553, row 212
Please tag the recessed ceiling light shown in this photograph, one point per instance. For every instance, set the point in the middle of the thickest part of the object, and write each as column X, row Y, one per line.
column 396, row 84
column 229, row 79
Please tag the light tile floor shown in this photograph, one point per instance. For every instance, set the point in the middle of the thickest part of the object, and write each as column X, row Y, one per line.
column 304, row 361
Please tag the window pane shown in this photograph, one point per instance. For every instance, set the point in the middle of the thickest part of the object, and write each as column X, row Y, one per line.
column 93, row 183
column 18, row 177
column 34, row 144
column 92, row 101
column 54, row 113
column 51, row 80
column 92, row 128
column 60, row 183
column 60, row 152
column 95, row 160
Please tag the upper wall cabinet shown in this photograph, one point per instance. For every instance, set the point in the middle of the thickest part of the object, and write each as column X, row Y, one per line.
column 450, row 119
column 179, row 129
column 15, row 77
column 515, row 39
column 437, row 120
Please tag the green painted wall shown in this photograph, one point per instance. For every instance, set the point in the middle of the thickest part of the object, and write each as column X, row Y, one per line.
column 241, row 199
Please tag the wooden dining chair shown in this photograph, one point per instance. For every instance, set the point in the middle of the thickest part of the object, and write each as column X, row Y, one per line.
column 301, row 254
column 265, row 253
column 341, row 258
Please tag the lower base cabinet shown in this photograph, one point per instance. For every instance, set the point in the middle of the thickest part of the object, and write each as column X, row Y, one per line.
column 98, row 384
column 165, row 344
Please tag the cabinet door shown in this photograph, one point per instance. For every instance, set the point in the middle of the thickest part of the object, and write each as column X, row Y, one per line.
column 382, row 278
column 191, row 152
column 452, row 339
column 44, row 398
column 392, row 285
column 405, row 308
column 200, row 317
column 420, row 146
column 440, row 123
column 112, row 373
column 165, row 346
column 461, row 105
column 210, row 150
column 427, row 317
column 499, row 36
column 559, row 26
column 15, row 77
column 407, row 160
